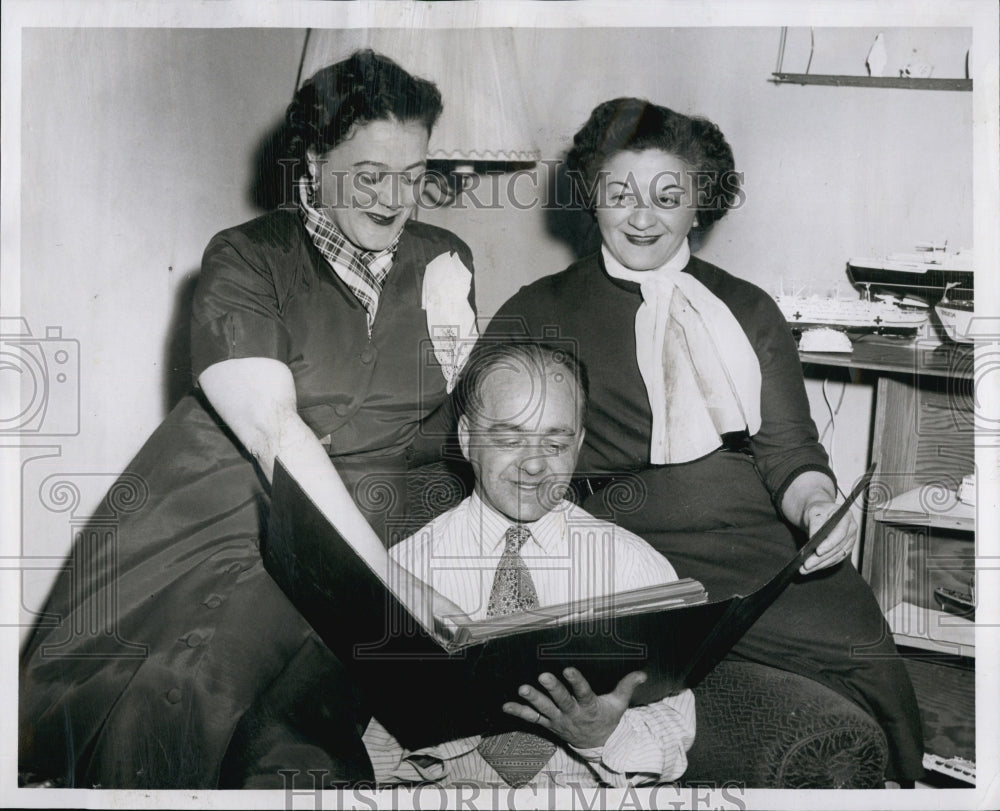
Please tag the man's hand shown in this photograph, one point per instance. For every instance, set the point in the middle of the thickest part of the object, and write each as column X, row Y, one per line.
column 582, row 718
column 839, row 543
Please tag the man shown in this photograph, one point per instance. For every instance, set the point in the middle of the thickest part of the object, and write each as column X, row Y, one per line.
column 514, row 544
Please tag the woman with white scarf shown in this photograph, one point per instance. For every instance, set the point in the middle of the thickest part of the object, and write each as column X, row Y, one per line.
column 698, row 432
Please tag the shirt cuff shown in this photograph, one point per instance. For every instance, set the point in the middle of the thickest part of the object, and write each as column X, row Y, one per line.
column 779, row 493
column 618, row 755
column 628, row 749
column 591, row 754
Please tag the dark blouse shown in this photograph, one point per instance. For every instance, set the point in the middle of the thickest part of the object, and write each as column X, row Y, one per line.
column 595, row 314
column 266, row 291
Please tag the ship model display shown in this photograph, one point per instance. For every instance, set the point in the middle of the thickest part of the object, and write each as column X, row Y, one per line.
column 953, row 601
column 896, row 298
column 858, row 315
column 956, row 317
column 928, row 272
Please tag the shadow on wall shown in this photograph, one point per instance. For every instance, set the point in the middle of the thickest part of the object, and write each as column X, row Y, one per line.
column 271, row 186
column 565, row 219
column 272, row 171
column 177, row 360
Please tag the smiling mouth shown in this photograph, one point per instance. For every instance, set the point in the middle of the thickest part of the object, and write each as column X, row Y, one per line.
column 380, row 220
column 527, row 489
column 642, row 241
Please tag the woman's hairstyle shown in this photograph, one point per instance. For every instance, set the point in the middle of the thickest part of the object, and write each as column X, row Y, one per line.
column 525, row 355
column 364, row 87
column 634, row 125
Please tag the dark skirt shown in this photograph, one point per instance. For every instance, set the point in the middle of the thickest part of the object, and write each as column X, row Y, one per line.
column 715, row 521
column 164, row 631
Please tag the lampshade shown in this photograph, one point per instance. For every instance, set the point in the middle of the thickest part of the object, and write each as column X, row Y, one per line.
column 484, row 117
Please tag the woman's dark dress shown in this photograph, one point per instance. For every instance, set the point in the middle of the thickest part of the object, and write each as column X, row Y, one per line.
column 715, row 517
column 202, row 637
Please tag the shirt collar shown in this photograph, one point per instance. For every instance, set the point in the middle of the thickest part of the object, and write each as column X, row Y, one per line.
column 547, row 532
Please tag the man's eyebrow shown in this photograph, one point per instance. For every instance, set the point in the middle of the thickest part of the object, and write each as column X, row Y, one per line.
column 513, row 428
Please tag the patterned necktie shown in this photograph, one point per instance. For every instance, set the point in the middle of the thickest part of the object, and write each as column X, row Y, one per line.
column 516, row 756
column 364, row 272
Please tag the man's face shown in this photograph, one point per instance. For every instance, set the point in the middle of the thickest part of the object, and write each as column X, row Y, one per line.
column 524, row 439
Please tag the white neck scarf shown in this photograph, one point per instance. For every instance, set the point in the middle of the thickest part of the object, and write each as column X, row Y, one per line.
column 702, row 375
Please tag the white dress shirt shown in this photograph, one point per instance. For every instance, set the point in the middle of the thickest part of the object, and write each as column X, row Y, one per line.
column 571, row 556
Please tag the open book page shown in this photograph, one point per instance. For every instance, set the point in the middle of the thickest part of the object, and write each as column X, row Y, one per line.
column 637, row 601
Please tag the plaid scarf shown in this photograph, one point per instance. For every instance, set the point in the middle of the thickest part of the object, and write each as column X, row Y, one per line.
column 362, row 271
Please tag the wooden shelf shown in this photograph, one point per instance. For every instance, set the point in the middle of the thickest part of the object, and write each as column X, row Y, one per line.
column 930, row 506
column 925, row 357
column 931, row 630
column 923, row 439
column 895, row 82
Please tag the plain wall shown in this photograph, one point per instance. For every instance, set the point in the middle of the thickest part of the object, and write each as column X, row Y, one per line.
column 139, row 144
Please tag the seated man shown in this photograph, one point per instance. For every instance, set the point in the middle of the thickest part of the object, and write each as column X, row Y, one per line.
column 514, row 544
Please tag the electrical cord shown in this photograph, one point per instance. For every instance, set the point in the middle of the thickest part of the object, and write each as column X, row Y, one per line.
column 831, row 424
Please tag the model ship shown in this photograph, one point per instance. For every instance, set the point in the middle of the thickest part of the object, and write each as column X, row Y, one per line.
column 927, row 272
column 962, row 603
column 850, row 315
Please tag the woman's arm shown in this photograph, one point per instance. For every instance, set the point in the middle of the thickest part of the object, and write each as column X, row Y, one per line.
column 788, row 454
column 787, row 445
column 256, row 399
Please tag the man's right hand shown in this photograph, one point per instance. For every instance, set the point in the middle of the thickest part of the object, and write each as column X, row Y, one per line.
column 582, row 718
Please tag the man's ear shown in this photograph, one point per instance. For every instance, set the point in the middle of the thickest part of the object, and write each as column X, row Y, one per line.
column 463, row 436
column 579, row 439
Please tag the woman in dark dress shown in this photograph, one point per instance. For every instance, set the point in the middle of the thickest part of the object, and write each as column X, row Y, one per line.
column 699, row 437
column 310, row 338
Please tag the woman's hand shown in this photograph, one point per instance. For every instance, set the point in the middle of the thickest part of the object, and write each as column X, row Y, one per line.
column 837, row 546
column 808, row 501
column 582, row 718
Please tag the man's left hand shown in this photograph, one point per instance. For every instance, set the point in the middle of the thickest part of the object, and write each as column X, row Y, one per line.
column 581, row 718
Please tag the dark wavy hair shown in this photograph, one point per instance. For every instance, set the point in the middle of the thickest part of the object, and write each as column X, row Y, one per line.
column 634, row 125
column 364, row 87
column 490, row 355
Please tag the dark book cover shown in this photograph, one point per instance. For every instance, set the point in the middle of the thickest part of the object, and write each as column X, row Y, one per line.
column 427, row 682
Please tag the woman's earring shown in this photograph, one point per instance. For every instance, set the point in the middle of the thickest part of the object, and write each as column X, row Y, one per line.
column 308, row 185
column 309, row 179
